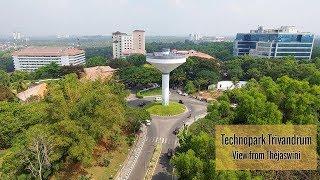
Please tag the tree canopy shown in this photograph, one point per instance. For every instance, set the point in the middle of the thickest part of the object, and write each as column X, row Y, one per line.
column 75, row 118
column 266, row 101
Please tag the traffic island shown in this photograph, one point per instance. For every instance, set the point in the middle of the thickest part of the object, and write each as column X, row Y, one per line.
column 173, row 109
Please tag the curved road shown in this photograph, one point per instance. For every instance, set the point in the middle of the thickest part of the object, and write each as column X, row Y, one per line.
column 160, row 131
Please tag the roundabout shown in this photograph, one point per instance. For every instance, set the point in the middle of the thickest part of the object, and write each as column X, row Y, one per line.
column 173, row 109
column 161, row 131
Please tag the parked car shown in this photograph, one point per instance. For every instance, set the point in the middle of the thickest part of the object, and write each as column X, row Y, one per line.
column 148, row 122
column 158, row 99
column 176, row 131
column 141, row 104
column 179, row 92
column 180, row 102
column 170, row 153
column 184, row 94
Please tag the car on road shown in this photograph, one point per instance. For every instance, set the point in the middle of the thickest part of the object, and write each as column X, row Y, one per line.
column 176, row 131
column 179, row 92
column 184, row 94
column 180, row 102
column 170, row 153
column 158, row 99
column 148, row 122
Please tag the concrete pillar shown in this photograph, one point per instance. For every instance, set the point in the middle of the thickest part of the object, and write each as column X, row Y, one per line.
column 165, row 89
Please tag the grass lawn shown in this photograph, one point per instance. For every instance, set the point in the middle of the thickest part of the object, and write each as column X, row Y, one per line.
column 152, row 92
column 174, row 108
column 116, row 159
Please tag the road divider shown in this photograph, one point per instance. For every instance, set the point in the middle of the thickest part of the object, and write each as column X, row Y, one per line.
column 153, row 162
column 129, row 164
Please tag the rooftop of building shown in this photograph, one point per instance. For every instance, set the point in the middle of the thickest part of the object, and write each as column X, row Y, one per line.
column 194, row 53
column 48, row 51
column 118, row 33
column 37, row 90
column 98, row 72
column 165, row 54
column 138, row 30
column 282, row 29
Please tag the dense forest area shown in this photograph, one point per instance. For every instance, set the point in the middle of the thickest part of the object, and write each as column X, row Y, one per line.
column 74, row 124
column 281, row 101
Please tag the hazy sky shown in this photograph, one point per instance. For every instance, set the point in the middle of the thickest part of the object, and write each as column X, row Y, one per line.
column 157, row 17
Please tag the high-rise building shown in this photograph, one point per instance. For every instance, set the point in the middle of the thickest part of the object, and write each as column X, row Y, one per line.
column 275, row 43
column 124, row 44
column 195, row 37
column 32, row 58
column 16, row 35
column 139, row 44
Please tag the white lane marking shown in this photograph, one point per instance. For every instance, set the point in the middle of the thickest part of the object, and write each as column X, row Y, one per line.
column 161, row 140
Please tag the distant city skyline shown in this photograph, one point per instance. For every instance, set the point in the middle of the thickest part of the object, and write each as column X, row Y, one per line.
column 165, row 17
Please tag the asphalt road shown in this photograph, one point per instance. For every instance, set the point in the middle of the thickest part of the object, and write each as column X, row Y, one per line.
column 161, row 131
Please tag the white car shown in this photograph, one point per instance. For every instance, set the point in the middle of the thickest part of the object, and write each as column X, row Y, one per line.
column 148, row 122
column 184, row 94
column 158, row 98
column 179, row 92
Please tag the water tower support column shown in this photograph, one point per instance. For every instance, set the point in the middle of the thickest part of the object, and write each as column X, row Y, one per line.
column 165, row 89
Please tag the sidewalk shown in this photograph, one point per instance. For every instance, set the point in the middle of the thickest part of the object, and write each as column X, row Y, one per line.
column 128, row 165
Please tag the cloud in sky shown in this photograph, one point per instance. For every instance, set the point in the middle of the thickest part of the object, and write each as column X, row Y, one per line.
column 157, row 17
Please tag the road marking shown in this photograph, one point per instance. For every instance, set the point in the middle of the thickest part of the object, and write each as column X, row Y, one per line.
column 161, row 140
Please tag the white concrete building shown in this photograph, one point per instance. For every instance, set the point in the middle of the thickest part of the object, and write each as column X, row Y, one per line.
column 229, row 85
column 124, row 44
column 16, row 35
column 32, row 58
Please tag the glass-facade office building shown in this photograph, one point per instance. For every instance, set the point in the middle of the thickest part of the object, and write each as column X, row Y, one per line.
column 275, row 43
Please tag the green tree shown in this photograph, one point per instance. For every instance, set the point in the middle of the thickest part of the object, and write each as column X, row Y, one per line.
column 5, row 94
column 4, row 78
column 96, row 61
column 139, row 76
column 190, row 88
column 188, row 166
column 18, row 76
column 49, row 71
column 137, row 59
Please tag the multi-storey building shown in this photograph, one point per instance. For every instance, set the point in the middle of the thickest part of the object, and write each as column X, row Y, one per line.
column 195, row 37
column 275, row 43
column 124, row 44
column 32, row 58
column 139, row 42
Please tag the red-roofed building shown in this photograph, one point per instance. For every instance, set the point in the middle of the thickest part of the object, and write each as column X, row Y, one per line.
column 98, row 72
column 191, row 53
